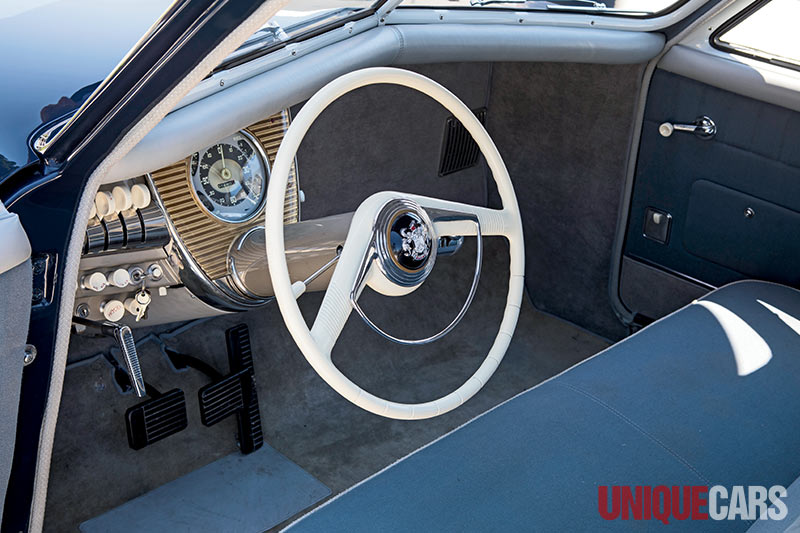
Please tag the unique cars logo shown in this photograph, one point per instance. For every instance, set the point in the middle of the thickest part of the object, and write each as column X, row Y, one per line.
column 699, row 502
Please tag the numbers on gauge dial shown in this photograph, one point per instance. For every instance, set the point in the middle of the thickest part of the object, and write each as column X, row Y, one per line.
column 229, row 178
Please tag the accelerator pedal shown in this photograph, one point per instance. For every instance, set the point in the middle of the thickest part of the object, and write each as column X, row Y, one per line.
column 235, row 393
column 157, row 418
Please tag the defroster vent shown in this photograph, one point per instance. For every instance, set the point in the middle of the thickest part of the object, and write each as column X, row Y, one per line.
column 459, row 150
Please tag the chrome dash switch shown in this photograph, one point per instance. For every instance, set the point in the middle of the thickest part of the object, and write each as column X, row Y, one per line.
column 657, row 224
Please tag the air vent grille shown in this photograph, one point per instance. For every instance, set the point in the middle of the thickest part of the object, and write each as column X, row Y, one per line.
column 459, row 150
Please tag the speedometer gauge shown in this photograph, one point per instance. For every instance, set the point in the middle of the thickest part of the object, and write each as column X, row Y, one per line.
column 229, row 179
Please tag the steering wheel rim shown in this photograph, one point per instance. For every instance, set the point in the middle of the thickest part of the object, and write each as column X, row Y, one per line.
column 316, row 343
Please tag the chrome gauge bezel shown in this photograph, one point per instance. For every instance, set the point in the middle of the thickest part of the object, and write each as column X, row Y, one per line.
column 260, row 153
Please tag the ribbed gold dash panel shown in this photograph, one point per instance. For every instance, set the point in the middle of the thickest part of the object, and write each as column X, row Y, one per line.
column 206, row 237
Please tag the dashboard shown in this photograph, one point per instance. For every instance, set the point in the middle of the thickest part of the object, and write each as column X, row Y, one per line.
column 178, row 234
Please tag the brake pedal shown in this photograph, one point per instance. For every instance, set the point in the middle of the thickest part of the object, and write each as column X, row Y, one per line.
column 235, row 393
column 157, row 418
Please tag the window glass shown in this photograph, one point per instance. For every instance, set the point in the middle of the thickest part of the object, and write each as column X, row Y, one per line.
column 769, row 33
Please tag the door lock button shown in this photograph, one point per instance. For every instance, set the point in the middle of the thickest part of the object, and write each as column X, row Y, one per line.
column 657, row 225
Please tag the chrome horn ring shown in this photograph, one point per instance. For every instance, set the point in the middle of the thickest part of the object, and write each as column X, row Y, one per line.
column 399, row 263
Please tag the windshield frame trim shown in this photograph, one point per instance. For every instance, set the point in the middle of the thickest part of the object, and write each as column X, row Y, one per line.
column 256, row 53
column 495, row 15
column 578, row 10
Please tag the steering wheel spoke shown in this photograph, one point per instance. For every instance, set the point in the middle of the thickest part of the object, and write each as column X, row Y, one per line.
column 455, row 218
column 348, row 279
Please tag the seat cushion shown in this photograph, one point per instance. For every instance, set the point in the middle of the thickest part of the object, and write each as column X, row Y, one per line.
column 709, row 395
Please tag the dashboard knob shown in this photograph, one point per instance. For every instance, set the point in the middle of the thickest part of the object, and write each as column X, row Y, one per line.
column 92, row 211
column 119, row 278
column 140, row 196
column 104, row 203
column 123, row 199
column 113, row 310
column 154, row 272
column 96, row 281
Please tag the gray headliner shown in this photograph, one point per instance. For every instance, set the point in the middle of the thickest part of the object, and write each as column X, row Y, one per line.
column 202, row 123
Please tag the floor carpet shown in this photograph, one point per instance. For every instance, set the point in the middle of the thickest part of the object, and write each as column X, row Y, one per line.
column 93, row 469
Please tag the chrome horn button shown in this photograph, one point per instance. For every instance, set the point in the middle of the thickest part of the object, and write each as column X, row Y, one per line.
column 406, row 242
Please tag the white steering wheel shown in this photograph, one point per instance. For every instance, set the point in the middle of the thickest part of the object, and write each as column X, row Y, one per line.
column 391, row 246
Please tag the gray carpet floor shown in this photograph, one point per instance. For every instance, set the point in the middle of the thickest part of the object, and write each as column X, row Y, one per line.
column 93, row 469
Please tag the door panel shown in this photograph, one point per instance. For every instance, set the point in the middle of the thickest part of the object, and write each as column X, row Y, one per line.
column 707, row 187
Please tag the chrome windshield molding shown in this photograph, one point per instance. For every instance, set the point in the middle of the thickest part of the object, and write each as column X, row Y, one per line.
column 272, row 36
column 288, row 52
column 42, row 137
column 220, row 293
column 314, row 26
column 374, row 255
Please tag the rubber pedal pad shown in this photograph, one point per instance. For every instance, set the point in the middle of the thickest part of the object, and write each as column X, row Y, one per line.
column 235, row 393
column 155, row 419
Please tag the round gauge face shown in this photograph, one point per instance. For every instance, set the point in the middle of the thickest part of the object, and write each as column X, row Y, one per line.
column 229, row 179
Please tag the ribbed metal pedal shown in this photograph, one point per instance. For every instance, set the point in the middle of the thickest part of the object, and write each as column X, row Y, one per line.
column 235, row 393
column 153, row 420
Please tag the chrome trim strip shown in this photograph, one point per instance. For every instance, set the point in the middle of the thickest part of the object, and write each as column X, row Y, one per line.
column 217, row 293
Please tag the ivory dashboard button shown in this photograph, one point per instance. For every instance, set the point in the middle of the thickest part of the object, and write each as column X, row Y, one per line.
column 96, row 281
column 123, row 199
column 119, row 278
column 140, row 196
column 113, row 310
column 104, row 203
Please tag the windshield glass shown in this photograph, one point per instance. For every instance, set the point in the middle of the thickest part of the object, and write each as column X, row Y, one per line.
column 612, row 7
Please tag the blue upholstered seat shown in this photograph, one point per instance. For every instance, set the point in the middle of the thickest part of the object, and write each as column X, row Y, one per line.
column 667, row 406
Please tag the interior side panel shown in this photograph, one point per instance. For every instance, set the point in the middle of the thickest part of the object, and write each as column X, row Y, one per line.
column 734, row 200
column 564, row 132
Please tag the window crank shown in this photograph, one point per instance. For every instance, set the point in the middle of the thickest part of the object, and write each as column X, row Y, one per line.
column 703, row 127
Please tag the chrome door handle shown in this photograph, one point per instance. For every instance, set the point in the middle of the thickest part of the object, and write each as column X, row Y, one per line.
column 703, row 127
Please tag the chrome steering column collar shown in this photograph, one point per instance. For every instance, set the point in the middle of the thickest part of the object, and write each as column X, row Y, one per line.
column 404, row 246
